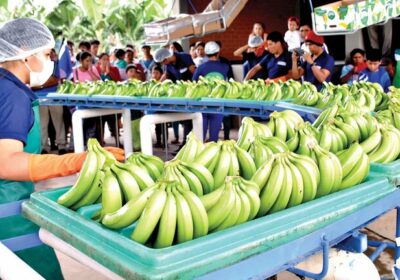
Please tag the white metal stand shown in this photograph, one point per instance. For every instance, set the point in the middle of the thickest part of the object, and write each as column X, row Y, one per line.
column 148, row 120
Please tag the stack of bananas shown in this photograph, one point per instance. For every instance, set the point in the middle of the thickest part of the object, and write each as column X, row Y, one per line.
column 249, row 90
column 249, row 130
column 225, row 158
column 191, row 150
column 284, row 124
column 263, row 148
column 166, row 214
column 152, row 164
column 383, row 146
column 87, row 189
column 191, row 176
column 103, row 179
column 361, row 97
column 235, row 202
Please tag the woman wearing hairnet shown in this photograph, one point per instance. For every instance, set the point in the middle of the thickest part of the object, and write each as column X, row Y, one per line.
column 25, row 46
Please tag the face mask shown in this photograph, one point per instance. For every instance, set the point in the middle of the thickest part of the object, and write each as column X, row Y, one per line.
column 39, row 78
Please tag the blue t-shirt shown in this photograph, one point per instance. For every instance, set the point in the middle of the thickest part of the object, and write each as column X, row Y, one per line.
column 324, row 61
column 180, row 69
column 381, row 77
column 212, row 69
column 277, row 66
column 250, row 60
column 16, row 114
column 45, row 91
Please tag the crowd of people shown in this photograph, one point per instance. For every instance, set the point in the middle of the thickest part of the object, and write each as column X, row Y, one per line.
column 298, row 54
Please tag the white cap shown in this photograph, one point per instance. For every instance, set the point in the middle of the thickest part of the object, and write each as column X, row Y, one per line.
column 211, row 48
column 255, row 41
column 161, row 54
column 24, row 37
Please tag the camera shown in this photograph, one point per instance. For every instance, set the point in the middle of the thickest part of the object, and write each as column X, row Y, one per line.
column 299, row 51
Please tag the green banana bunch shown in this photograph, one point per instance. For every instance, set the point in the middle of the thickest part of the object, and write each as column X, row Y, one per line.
column 231, row 160
column 284, row 124
column 171, row 214
column 263, row 148
column 84, row 182
column 308, row 95
column 330, row 170
column 191, row 176
column 355, row 166
column 236, row 202
column 286, row 180
column 383, row 145
column 111, row 196
column 154, row 165
column 249, row 130
column 325, row 115
column 192, row 148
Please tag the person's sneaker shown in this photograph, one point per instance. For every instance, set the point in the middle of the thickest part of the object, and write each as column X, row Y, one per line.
column 176, row 141
column 158, row 145
column 62, row 151
column 44, row 152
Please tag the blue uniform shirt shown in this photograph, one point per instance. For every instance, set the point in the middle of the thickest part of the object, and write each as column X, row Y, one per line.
column 16, row 114
column 212, row 69
column 324, row 61
column 250, row 60
column 277, row 66
column 180, row 69
column 381, row 77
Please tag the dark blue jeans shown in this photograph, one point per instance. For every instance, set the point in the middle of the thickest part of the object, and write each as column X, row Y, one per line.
column 213, row 123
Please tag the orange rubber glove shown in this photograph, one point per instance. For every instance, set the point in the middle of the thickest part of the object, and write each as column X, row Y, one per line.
column 118, row 153
column 42, row 167
column 277, row 79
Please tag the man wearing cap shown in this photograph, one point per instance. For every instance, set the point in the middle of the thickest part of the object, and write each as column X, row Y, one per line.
column 212, row 69
column 317, row 66
column 250, row 56
column 277, row 63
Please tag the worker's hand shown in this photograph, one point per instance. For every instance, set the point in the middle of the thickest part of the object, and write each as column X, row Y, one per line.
column 307, row 57
column 43, row 167
column 118, row 153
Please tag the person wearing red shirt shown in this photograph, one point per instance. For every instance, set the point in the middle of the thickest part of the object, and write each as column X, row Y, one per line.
column 106, row 70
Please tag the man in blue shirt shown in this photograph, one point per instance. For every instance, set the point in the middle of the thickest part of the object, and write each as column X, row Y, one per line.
column 277, row 63
column 317, row 66
column 180, row 66
column 375, row 73
column 212, row 69
column 251, row 58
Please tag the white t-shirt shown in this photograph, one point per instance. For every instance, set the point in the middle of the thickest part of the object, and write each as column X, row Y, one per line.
column 293, row 39
column 200, row 60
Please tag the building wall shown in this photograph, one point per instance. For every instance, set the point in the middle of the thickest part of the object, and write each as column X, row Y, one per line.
column 273, row 14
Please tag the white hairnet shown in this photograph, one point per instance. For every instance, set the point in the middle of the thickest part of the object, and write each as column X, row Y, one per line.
column 23, row 37
column 211, row 48
column 161, row 54
column 255, row 41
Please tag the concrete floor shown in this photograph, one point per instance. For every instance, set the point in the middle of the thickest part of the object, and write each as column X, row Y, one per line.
column 381, row 229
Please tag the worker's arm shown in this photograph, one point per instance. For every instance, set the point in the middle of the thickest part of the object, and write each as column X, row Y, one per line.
column 16, row 165
column 13, row 161
column 297, row 71
column 283, row 78
column 321, row 74
column 253, row 71
column 239, row 52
